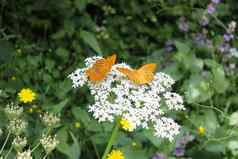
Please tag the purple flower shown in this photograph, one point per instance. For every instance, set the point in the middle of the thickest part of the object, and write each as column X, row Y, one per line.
column 224, row 47
column 209, row 44
column 169, row 46
column 183, row 25
column 228, row 37
column 159, row 156
column 179, row 151
column 199, row 39
column 211, row 8
column 216, row 1
column 204, row 21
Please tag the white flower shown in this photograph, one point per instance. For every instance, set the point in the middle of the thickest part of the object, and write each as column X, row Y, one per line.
column 166, row 128
column 142, row 105
column 13, row 111
column 17, row 126
column 19, row 143
column 174, row 101
column 50, row 119
column 49, row 143
column 24, row 155
column 234, row 52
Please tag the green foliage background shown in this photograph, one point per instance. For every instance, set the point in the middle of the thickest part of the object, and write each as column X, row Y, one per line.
column 42, row 42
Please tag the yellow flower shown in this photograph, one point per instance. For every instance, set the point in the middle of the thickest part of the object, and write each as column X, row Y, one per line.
column 127, row 125
column 77, row 125
column 26, row 95
column 13, row 78
column 116, row 154
column 201, row 130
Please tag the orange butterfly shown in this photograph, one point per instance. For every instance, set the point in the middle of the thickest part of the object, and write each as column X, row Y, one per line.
column 143, row 75
column 101, row 68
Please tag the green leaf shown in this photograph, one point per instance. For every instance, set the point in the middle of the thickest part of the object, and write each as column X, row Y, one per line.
column 131, row 153
column 219, row 81
column 208, row 120
column 182, row 47
column 62, row 52
column 197, row 89
column 58, row 107
column 6, row 51
column 80, row 4
column 73, row 151
column 91, row 40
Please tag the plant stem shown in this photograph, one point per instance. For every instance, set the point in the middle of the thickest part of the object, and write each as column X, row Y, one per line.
column 111, row 140
column 5, row 142
column 34, row 148
column 45, row 156
column 8, row 152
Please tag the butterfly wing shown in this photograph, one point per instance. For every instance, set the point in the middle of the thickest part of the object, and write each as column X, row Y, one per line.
column 101, row 68
column 131, row 74
column 111, row 60
column 125, row 71
column 145, row 74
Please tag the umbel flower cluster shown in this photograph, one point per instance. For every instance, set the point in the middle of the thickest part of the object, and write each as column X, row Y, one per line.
column 142, row 105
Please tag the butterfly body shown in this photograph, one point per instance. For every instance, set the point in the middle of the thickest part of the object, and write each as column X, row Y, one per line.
column 143, row 75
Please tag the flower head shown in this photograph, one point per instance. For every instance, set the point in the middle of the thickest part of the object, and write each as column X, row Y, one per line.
column 116, row 154
column 50, row 119
column 19, row 143
column 13, row 111
column 183, row 24
column 77, row 124
column 13, row 78
column 228, row 37
column 127, row 125
column 204, row 21
column 49, row 143
column 24, row 155
column 216, row 1
column 179, row 151
column 17, row 126
column 231, row 27
column 137, row 105
column 26, row 95
column 211, row 8
column 201, row 130
column 159, row 156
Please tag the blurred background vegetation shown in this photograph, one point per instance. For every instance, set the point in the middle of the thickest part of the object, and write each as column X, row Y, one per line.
column 42, row 42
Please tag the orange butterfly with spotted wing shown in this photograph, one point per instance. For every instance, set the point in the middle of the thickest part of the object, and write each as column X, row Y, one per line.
column 101, row 68
column 143, row 75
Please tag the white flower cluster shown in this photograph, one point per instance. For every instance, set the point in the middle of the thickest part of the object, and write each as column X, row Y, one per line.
column 50, row 120
column 24, row 155
column 49, row 143
column 17, row 126
column 13, row 111
column 19, row 143
column 144, row 105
